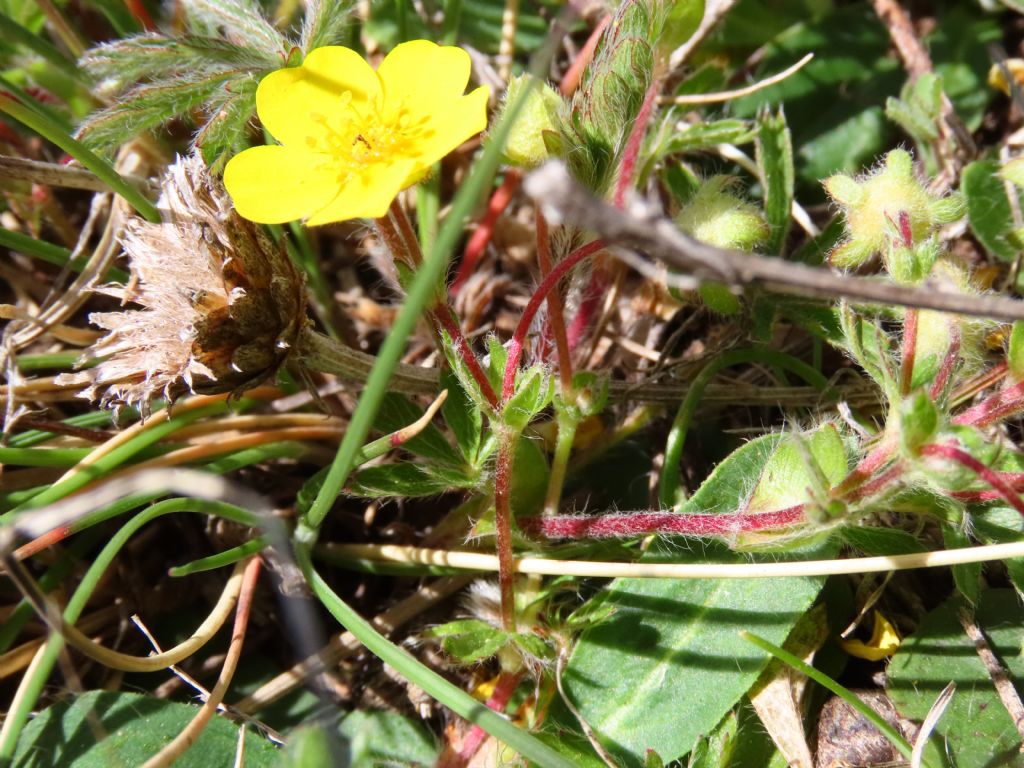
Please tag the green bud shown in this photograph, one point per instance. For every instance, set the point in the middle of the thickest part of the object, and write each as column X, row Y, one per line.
column 887, row 206
column 718, row 217
column 527, row 146
column 919, row 422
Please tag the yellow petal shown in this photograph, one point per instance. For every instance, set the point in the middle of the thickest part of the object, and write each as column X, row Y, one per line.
column 366, row 195
column 447, row 129
column 302, row 105
column 884, row 642
column 274, row 184
column 422, row 77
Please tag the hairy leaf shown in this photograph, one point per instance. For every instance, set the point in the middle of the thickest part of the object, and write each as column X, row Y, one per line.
column 136, row 728
column 977, row 727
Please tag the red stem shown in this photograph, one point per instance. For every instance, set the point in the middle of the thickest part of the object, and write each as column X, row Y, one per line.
column 598, row 284
column 999, row 485
column 874, row 486
column 503, row 526
column 644, row 523
column 451, row 326
column 1003, row 403
column 515, row 347
column 627, row 170
column 909, row 350
column 948, row 363
column 870, row 464
column 485, row 229
column 554, row 303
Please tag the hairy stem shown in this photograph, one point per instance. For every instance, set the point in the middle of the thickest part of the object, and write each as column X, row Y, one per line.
column 909, row 351
column 515, row 348
column 557, row 317
column 999, row 484
column 503, row 525
column 669, row 523
column 996, row 407
column 567, row 425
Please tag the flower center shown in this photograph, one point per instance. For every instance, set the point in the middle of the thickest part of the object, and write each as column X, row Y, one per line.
column 361, row 136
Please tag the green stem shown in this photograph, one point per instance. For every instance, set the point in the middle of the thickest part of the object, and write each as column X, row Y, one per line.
column 567, row 426
column 845, row 694
column 445, row 692
column 221, row 559
column 115, row 458
column 48, row 130
column 428, row 205
column 669, row 483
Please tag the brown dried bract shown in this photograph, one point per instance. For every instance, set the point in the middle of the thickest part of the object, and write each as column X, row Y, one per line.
column 221, row 304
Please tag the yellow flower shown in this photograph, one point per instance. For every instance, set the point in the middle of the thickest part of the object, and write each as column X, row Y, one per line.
column 352, row 138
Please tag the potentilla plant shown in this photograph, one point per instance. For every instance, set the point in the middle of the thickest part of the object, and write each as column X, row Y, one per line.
column 222, row 308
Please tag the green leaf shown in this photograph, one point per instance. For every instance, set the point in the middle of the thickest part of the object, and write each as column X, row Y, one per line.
column 534, row 390
column 1015, row 351
column 147, row 106
column 224, row 133
column 310, row 747
column 240, row 21
column 802, row 466
column 988, row 208
column 775, row 164
column 379, row 738
column 669, row 664
column 701, row 136
column 882, row 541
column 998, row 524
column 463, row 417
column 529, row 478
column 120, row 63
column 103, row 728
column 976, row 726
column 406, row 480
column 397, row 412
column 474, row 644
column 682, row 17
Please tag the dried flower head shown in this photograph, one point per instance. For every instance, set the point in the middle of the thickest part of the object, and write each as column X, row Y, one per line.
column 221, row 304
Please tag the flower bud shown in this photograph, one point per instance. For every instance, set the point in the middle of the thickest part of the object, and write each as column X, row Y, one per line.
column 718, row 217
column 221, row 304
column 888, row 205
column 526, row 146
